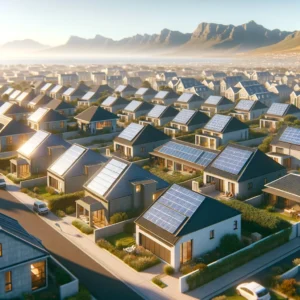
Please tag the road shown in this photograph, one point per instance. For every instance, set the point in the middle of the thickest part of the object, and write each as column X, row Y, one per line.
column 101, row 283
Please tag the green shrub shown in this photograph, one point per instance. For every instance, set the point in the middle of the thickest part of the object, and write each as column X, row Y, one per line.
column 61, row 202
column 189, row 267
column 288, row 286
column 168, row 270
column 36, row 189
column 270, row 208
column 24, row 190
column 70, row 210
column 165, row 170
column 118, row 217
column 222, row 297
column 84, row 228
column 147, row 168
column 129, row 228
column 156, row 280
column 229, row 243
column 265, row 145
column 102, row 243
column 50, row 190
column 296, row 261
column 60, row 213
column 61, row 276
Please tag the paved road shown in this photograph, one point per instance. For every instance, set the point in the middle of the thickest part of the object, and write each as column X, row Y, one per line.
column 101, row 283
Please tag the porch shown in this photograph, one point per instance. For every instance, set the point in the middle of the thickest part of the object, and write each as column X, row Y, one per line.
column 20, row 168
column 208, row 141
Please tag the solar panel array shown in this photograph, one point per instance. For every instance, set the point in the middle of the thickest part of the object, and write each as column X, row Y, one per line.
column 185, row 97
column 88, row 96
column 29, row 146
column 38, row 114
column 56, row 88
column 69, row 91
column 245, row 105
column 217, row 123
column 206, row 158
column 46, row 86
column 120, row 88
column 8, row 91
column 133, row 105
column 214, row 100
column 22, row 96
column 232, row 160
column 130, row 132
column 184, row 116
column 66, row 160
column 161, row 95
column 278, row 109
column 141, row 91
column 106, row 177
column 173, row 208
column 5, row 107
column 109, row 101
column 15, row 94
column 156, row 111
column 290, row 135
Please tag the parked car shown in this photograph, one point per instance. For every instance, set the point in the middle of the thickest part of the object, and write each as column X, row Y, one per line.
column 2, row 183
column 253, row 291
column 40, row 207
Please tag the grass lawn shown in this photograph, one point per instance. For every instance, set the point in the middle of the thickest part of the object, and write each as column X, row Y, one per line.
column 125, row 239
column 286, row 217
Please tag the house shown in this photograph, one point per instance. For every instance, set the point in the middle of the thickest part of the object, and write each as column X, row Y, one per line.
column 182, row 225
column 247, row 110
column 165, row 98
column 114, row 80
column 39, row 101
column 13, row 96
column 201, row 91
column 160, row 115
column 146, row 94
column 73, row 168
column 262, row 76
column 47, row 119
column 284, row 192
column 125, row 90
column 23, row 263
column 220, row 130
column 68, row 79
column 235, row 172
column 37, row 154
column 24, row 98
column 188, row 101
column 276, row 114
column 57, row 91
column 247, row 91
column 73, row 94
column 186, row 120
column 167, row 76
column 229, row 82
column 13, row 133
column 46, row 88
column 232, row 94
column 183, row 157
column 158, row 84
column 213, row 85
column 285, row 147
column 114, row 103
column 215, row 104
column 7, row 93
column 96, row 119
column 134, row 81
column 282, row 90
column 63, row 107
column 137, row 140
column 246, row 83
column 295, row 99
column 94, row 94
column 267, row 98
column 214, row 75
column 117, row 186
column 14, row 111
column 289, row 79
column 98, row 77
column 134, row 110
column 37, row 85
column 185, row 83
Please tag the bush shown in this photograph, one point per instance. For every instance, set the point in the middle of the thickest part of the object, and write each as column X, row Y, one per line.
column 61, row 202
column 265, row 145
column 296, row 261
column 147, row 168
column 70, row 210
column 188, row 268
column 84, row 228
column 118, row 217
column 62, row 277
column 270, row 208
column 24, row 190
column 168, row 270
column 165, row 170
column 229, row 243
column 222, row 297
column 129, row 228
column 50, row 190
column 102, row 243
column 156, row 280
column 36, row 190
column 60, row 213
column 288, row 286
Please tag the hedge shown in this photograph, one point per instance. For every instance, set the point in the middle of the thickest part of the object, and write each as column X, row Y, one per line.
column 258, row 220
column 238, row 259
column 83, row 227
column 61, row 202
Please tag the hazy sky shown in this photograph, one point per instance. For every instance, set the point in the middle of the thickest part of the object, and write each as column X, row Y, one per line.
column 51, row 22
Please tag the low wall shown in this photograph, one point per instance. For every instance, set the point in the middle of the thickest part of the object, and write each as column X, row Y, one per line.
column 142, row 162
column 208, row 189
column 33, row 182
column 183, row 286
column 110, row 230
column 255, row 201
column 8, row 154
column 290, row 273
column 252, row 142
column 94, row 138
column 70, row 134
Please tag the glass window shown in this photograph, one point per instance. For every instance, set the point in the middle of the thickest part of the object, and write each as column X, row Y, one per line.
column 8, row 281
column 38, row 275
column 138, row 188
column 62, row 124
column 212, row 234
column 235, row 225
column 0, row 250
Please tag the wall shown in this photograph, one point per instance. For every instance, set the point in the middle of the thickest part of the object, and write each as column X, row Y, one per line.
column 90, row 139
column 33, row 182
column 110, row 230
column 8, row 154
column 255, row 201
column 141, row 162
column 252, row 142
column 290, row 273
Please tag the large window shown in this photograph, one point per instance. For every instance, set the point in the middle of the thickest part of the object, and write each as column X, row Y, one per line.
column 211, row 234
column 186, row 251
column 38, row 275
column 100, row 125
column 53, row 182
column 9, row 140
column 8, row 281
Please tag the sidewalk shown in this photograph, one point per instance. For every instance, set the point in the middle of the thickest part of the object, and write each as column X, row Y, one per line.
column 140, row 282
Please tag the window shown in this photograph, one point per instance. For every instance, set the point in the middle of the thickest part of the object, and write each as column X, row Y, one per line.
column 53, row 182
column 186, row 251
column 138, row 188
column 235, row 225
column 250, row 185
column 0, row 250
column 38, row 275
column 211, row 234
column 8, row 282
column 100, row 125
column 62, row 124
column 9, row 140
column 143, row 149
column 266, row 180
column 279, row 150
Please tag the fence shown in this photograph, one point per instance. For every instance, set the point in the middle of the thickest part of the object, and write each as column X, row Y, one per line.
column 252, row 142
column 290, row 273
column 142, row 162
column 33, row 182
column 255, row 201
column 110, row 230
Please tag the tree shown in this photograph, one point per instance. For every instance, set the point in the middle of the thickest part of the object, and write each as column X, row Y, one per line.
column 290, row 119
column 5, row 97
column 146, row 84
column 265, row 145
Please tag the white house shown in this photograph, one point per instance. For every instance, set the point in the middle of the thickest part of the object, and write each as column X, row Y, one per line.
column 247, row 110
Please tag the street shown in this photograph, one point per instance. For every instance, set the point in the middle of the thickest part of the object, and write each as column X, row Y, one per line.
column 101, row 283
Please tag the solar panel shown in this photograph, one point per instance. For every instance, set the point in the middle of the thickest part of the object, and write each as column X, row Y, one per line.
column 184, row 116
column 66, row 160
column 232, row 160
column 109, row 101
column 5, row 107
column 120, row 88
column 185, row 97
column 217, row 123
column 46, row 86
column 156, row 111
column 38, row 114
column 29, row 146
column 290, row 135
column 106, row 177
column 8, row 91
column 22, row 96
column 206, row 158
column 15, row 94
column 56, row 88
column 68, row 91
column 141, row 91
column 245, row 105
column 161, row 95
column 88, row 96
column 133, row 105
column 130, row 132
column 214, row 100
column 277, row 109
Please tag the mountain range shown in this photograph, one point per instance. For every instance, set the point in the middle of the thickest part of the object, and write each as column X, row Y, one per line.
column 207, row 39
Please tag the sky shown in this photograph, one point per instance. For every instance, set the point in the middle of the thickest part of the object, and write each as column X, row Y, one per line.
column 52, row 22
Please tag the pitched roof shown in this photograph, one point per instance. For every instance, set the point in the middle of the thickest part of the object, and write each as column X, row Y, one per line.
column 57, row 104
column 94, row 114
column 40, row 100
column 8, row 126
column 217, row 100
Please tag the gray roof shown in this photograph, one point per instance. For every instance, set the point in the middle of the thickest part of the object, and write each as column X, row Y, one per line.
column 288, row 183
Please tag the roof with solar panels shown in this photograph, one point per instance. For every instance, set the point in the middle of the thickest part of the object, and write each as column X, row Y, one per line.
column 282, row 109
column 115, row 179
column 180, row 211
column 190, row 117
column 213, row 101
column 240, row 163
column 43, row 114
column 114, row 100
column 249, row 105
column 287, row 137
column 135, row 106
column 137, row 134
column 189, row 97
column 162, row 111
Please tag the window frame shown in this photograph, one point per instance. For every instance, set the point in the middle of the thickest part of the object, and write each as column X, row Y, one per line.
column 212, row 234
column 8, row 282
